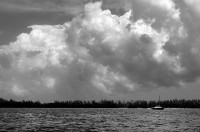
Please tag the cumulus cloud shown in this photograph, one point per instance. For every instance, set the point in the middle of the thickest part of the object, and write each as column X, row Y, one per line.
column 166, row 5
column 99, row 54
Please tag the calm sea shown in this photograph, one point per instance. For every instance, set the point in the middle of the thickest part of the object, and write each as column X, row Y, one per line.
column 99, row 120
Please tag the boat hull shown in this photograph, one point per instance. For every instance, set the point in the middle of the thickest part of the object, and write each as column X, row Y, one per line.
column 161, row 108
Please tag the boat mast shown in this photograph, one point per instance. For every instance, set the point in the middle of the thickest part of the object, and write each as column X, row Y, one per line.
column 159, row 100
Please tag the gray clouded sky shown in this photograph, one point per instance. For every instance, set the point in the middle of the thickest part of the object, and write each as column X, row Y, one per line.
column 113, row 49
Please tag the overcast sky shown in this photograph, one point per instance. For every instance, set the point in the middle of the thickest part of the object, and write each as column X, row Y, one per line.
column 110, row 49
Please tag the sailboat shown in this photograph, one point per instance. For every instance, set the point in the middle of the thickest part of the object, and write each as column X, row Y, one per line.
column 158, row 107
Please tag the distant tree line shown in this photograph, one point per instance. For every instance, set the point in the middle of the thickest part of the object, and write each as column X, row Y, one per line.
column 100, row 104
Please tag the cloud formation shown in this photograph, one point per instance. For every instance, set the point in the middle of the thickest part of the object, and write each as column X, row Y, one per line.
column 99, row 54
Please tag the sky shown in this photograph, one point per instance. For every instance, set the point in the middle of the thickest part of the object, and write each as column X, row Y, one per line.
column 92, row 50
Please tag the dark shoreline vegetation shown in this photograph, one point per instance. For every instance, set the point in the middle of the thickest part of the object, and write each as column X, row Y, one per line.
column 100, row 104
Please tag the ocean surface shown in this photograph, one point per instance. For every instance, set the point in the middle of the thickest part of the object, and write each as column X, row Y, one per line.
column 122, row 120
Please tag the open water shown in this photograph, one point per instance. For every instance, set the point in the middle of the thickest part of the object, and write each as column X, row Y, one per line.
column 122, row 120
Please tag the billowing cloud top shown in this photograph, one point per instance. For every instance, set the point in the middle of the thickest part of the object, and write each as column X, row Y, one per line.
column 99, row 54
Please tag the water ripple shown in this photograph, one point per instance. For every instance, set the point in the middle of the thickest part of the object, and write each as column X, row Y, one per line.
column 99, row 120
